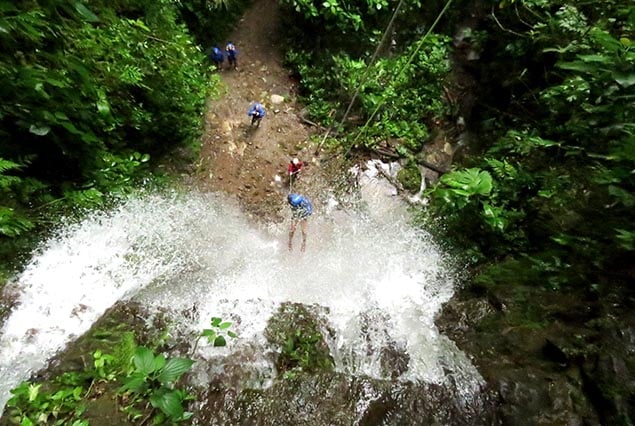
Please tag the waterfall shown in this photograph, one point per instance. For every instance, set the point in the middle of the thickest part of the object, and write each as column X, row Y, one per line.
column 199, row 250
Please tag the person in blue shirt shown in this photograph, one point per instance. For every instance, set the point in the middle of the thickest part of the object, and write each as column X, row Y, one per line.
column 217, row 57
column 256, row 112
column 301, row 209
column 231, row 51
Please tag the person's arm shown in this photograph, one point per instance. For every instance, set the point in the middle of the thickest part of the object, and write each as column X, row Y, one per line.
column 308, row 207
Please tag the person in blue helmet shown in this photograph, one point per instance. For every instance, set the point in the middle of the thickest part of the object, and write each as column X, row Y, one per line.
column 256, row 112
column 231, row 51
column 217, row 57
column 301, row 209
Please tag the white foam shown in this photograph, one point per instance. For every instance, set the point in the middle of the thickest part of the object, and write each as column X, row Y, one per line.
column 197, row 250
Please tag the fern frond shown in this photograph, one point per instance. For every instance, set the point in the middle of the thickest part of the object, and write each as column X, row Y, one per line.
column 6, row 165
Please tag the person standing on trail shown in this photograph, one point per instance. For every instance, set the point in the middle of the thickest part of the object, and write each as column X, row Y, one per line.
column 217, row 57
column 231, row 51
column 294, row 168
column 301, row 209
column 256, row 112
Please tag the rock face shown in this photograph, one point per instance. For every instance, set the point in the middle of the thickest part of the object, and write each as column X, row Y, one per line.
column 308, row 391
column 332, row 398
column 551, row 358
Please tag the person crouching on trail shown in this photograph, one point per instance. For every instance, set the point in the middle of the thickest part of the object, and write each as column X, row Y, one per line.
column 295, row 166
column 256, row 112
column 231, row 51
column 301, row 209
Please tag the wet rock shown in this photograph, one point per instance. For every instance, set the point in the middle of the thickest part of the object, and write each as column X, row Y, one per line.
column 394, row 361
column 462, row 315
column 331, row 398
column 552, row 357
column 537, row 398
column 608, row 380
column 9, row 296
column 555, row 352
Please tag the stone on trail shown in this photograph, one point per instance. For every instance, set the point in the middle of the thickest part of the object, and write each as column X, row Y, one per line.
column 277, row 99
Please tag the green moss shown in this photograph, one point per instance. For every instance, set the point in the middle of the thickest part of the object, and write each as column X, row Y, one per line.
column 295, row 330
column 410, row 177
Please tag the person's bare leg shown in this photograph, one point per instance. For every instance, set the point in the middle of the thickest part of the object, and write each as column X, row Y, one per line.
column 291, row 232
column 303, row 227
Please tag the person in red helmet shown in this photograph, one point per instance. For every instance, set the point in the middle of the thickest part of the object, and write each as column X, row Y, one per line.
column 295, row 166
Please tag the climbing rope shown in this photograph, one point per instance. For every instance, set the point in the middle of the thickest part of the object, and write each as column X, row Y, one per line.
column 364, row 76
column 401, row 71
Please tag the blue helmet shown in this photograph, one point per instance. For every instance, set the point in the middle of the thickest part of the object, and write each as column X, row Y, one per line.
column 294, row 199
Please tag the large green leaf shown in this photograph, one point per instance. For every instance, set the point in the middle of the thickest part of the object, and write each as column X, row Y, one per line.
column 159, row 362
column 85, row 13
column 624, row 79
column 136, row 382
column 144, row 360
column 39, row 129
column 167, row 401
column 469, row 182
column 173, row 369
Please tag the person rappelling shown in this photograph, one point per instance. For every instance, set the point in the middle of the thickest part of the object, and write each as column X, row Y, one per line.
column 301, row 209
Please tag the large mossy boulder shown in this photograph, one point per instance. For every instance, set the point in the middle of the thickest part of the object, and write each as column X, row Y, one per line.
column 410, row 177
column 297, row 332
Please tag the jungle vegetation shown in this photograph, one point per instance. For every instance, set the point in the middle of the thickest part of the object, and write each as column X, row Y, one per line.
column 544, row 192
column 95, row 94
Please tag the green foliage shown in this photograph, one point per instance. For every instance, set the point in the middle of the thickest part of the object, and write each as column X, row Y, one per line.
column 147, row 387
column 103, row 365
column 336, row 15
column 153, row 378
column 62, row 405
column 562, row 155
column 463, row 184
column 217, row 334
column 295, row 331
column 410, row 177
column 12, row 189
column 93, row 96
column 219, row 329
column 218, row 15
column 302, row 350
column 401, row 94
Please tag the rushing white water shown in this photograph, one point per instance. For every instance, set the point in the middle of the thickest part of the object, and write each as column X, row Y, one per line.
column 199, row 251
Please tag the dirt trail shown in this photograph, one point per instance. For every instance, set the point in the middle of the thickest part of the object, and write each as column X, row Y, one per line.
column 245, row 161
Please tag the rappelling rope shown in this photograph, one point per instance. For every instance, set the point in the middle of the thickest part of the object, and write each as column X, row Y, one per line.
column 401, row 71
column 364, row 76
column 366, row 72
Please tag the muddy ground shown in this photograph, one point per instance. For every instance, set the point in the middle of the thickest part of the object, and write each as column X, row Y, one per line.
column 241, row 160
